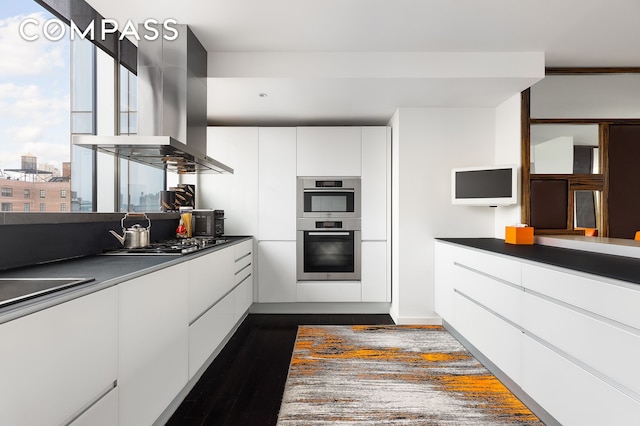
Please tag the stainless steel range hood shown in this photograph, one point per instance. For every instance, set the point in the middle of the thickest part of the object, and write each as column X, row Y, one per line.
column 172, row 107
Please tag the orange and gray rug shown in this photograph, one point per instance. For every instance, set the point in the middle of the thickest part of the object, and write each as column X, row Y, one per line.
column 392, row 375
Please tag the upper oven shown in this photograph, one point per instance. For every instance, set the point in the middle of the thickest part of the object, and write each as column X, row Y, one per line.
column 328, row 197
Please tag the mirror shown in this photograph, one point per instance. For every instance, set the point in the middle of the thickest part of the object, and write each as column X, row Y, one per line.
column 564, row 149
column 586, row 211
column 566, row 123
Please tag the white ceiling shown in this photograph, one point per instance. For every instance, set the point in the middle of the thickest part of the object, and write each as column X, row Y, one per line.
column 593, row 33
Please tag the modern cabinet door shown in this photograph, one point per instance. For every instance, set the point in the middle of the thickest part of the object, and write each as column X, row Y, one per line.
column 243, row 292
column 53, row 362
column 210, row 278
column 103, row 413
column 329, row 151
column 208, row 331
column 153, row 343
column 375, row 190
column 277, row 184
column 375, row 274
column 276, row 271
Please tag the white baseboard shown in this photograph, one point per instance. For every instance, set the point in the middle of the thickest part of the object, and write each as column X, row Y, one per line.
column 417, row 320
column 320, row 308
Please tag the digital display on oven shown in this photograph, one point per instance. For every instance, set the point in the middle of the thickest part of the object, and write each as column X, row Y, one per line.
column 328, row 184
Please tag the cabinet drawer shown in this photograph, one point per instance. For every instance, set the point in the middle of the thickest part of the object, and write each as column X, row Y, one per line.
column 206, row 334
column 495, row 338
column 496, row 295
column 102, row 413
column 240, row 250
column 569, row 393
column 490, row 264
column 616, row 302
column 210, row 278
column 604, row 347
column 54, row 361
column 243, row 296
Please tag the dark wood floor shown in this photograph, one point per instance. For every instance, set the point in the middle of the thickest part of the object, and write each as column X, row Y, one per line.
column 244, row 385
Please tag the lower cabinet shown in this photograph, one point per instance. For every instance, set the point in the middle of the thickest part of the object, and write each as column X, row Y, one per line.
column 56, row 361
column 276, row 271
column 208, row 331
column 567, row 339
column 103, row 413
column 375, row 275
column 227, row 303
column 120, row 356
column 153, row 343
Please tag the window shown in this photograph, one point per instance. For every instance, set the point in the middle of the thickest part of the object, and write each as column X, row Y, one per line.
column 63, row 207
column 35, row 86
column 35, row 119
column 7, row 207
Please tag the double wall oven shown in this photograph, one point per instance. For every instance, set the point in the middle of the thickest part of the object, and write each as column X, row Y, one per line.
column 328, row 229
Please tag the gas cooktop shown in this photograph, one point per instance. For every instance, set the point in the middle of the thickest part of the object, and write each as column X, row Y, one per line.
column 172, row 247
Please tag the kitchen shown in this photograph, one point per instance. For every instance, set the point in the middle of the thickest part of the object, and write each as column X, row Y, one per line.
column 427, row 142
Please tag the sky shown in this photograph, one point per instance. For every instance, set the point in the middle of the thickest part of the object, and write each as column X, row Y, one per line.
column 34, row 90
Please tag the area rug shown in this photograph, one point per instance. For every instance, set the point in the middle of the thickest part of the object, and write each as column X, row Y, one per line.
column 392, row 375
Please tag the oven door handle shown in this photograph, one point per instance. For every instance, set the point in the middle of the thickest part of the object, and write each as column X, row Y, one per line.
column 330, row 234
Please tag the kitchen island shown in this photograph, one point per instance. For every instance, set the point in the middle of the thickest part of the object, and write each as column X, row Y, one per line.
column 559, row 326
column 126, row 347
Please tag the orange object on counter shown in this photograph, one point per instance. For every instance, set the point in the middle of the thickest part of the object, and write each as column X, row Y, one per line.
column 518, row 235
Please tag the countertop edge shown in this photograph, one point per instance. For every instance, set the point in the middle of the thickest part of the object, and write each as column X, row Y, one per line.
column 615, row 269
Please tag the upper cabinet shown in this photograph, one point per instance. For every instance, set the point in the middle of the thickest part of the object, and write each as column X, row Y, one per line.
column 376, row 203
column 277, row 184
column 329, row 151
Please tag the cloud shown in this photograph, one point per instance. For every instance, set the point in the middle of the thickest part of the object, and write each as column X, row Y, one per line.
column 21, row 57
column 27, row 102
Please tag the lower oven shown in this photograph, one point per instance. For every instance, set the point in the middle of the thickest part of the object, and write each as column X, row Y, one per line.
column 328, row 250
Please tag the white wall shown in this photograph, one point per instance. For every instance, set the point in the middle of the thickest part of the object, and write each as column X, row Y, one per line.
column 554, row 156
column 427, row 143
column 508, row 151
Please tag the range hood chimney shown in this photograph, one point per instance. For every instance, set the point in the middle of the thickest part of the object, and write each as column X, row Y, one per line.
column 172, row 106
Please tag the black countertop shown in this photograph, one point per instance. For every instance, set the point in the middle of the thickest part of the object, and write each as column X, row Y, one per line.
column 604, row 265
column 106, row 271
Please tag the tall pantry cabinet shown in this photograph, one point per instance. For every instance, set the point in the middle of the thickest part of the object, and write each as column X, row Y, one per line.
column 283, row 154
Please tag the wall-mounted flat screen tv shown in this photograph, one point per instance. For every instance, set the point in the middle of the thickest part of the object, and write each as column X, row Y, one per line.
column 485, row 186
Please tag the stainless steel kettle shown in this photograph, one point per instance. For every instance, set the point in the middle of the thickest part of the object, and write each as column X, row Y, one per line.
column 136, row 236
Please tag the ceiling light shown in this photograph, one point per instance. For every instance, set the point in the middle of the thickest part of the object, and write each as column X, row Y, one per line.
column 262, row 95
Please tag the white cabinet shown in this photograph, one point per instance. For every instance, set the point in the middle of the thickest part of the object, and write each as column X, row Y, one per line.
column 57, row 360
column 220, row 293
column 243, row 293
column 103, row 413
column 570, row 340
column 210, row 277
column 375, row 273
column 444, row 281
column 376, row 150
column 206, row 334
column 276, row 271
column 329, row 151
column 153, row 343
column 571, row 394
column 277, row 184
